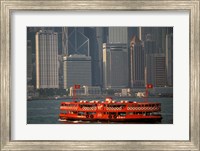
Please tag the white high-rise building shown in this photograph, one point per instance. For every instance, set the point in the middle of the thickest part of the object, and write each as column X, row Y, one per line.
column 46, row 59
column 77, row 70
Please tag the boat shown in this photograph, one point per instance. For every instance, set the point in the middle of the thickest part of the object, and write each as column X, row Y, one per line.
column 110, row 110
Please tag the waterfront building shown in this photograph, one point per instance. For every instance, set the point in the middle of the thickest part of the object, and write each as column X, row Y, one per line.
column 79, row 92
column 77, row 70
column 46, row 59
column 86, row 90
column 126, row 92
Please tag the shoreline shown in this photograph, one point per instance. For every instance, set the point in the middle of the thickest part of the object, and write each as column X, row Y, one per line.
column 92, row 97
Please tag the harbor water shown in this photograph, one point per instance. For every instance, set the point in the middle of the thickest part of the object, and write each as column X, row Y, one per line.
column 47, row 111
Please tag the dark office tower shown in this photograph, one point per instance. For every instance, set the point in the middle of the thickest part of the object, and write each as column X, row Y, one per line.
column 64, row 40
column 105, row 34
column 137, row 62
column 95, row 52
column 29, row 60
column 46, row 59
column 149, row 45
column 169, row 59
column 78, row 43
column 159, row 34
column 99, row 37
column 155, row 71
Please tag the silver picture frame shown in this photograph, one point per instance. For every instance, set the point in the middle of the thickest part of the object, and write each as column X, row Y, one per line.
column 8, row 6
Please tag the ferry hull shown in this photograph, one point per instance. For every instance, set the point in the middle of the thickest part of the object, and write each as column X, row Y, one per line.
column 118, row 119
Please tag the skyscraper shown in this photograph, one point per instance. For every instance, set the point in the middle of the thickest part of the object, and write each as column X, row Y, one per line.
column 77, row 70
column 29, row 60
column 118, row 35
column 150, row 45
column 115, row 58
column 64, row 40
column 137, row 62
column 78, row 42
column 95, row 35
column 46, row 59
column 155, row 71
column 169, row 59
column 115, row 66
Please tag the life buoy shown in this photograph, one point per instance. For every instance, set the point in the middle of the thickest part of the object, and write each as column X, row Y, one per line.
column 87, row 116
column 91, row 116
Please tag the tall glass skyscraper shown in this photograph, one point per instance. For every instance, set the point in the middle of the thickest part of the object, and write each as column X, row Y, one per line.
column 115, row 59
column 115, row 66
column 137, row 62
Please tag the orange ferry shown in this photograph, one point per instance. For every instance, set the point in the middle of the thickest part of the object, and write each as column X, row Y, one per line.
column 110, row 110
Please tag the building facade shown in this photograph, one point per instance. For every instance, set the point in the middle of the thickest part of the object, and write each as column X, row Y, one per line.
column 117, row 35
column 115, row 66
column 169, row 59
column 78, row 42
column 29, row 60
column 155, row 70
column 77, row 70
column 137, row 63
column 46, row 59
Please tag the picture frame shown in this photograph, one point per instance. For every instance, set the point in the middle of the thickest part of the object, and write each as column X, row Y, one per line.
column 8, row 7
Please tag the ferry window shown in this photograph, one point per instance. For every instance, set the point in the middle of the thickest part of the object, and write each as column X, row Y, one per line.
column 122, row 113
column 138, row 105
column 80, row 113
